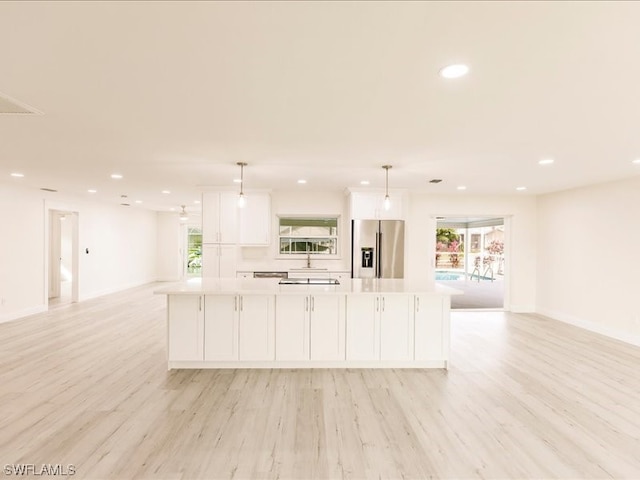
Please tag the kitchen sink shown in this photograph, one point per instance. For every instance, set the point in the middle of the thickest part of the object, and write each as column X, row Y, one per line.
column 309, row 281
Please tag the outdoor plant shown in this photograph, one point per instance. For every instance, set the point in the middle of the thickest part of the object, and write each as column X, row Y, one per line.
column 495, row 247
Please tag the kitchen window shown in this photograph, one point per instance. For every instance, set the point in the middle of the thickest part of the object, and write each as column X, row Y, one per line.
column 302, row 235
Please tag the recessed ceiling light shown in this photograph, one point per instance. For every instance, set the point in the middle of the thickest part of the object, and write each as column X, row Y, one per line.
column 462, row 187
column 138, row 201
column 237, row 180
column 172, row 209
column 116, row 176
column 454, row 71
column 302, row 181
column 166, row 192
column 636, row 161
column 17, row 175
column 196, row 201
column 546, row 161
column 521, row 188
column 91, row 190
column 364, row 182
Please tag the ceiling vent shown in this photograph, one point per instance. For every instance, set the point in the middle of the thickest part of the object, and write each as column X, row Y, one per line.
column 435, row 180
column 11, row 106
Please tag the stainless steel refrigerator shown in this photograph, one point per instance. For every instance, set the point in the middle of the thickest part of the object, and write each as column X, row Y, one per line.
column 377, row 248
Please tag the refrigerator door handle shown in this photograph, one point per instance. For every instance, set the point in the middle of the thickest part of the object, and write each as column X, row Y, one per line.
column 378, row 255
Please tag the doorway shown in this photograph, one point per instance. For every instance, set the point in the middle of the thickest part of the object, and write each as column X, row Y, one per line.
column 470, row 256
column 63, row 257
column 192, row 251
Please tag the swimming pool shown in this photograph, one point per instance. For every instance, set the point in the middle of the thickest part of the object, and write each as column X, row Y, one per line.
column 447, row 275
column 444, row 275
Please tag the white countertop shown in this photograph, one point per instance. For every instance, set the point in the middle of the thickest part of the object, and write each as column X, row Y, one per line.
column 237, row 286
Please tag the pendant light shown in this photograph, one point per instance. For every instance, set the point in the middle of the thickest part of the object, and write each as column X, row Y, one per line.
column 387, row 200
column 241, row 200
column 184, row 216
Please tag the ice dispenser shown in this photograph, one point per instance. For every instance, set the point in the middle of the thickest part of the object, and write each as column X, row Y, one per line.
column 367, row 257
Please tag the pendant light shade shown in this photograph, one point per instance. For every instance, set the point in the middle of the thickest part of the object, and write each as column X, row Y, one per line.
column 387, row 200
column 241, row 198
column 184, row 216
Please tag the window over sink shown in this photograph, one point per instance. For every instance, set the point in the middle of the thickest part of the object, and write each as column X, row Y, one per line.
column 308, row 235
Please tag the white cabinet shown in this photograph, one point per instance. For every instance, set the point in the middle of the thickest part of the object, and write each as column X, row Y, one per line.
column 186, row 328
column 310, row 327
column 292, row 327
column 255, row 220
column 327, row 327
column 239, row 327
column 244, row 274
column 379, row 327
column 256, row 327
column 363, row 327
column 218, row 260
column 431, row 329
column 396, row 327
column 370, row 206
column 221, row 327
column 219, row 217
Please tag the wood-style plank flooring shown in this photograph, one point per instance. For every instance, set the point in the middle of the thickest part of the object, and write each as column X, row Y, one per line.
column 525, row 397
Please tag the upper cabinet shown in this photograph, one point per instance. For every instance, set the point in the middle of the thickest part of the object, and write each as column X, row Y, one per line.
column 255, row 220
column 370, row 206
column 225, row 223
column 219, row 217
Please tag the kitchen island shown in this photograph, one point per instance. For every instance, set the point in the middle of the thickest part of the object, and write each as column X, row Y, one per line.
column 258, row 323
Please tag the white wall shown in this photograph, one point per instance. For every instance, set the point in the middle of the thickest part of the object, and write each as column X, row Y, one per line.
column 520, row 244
column 169, row 247
column 22, row 253
column 122, row 248
column 589, row 258
column 121, row 243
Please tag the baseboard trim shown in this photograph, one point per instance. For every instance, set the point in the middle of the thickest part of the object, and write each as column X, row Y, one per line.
column 591, row 326
column 255, row 364
column 521, row 309
column 109, row 291
column 25, row 312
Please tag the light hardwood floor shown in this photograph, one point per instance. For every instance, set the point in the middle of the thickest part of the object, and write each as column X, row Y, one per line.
column 525, row 397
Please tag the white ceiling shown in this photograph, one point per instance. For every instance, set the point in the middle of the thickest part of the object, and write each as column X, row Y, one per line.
column 172, row 95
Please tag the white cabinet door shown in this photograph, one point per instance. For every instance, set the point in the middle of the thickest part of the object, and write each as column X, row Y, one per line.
column 228, row 217
column 221, row 327
column 218, row 260
column 364, row 206
column 370, row 206
column 292, row 327
column 396, row 327
column 363, row 327
column 431, row 327
column 327, row 325
column 219, row 217
column 255, row 220
column 210, row 217
column 256, row 327
column 185, row 327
